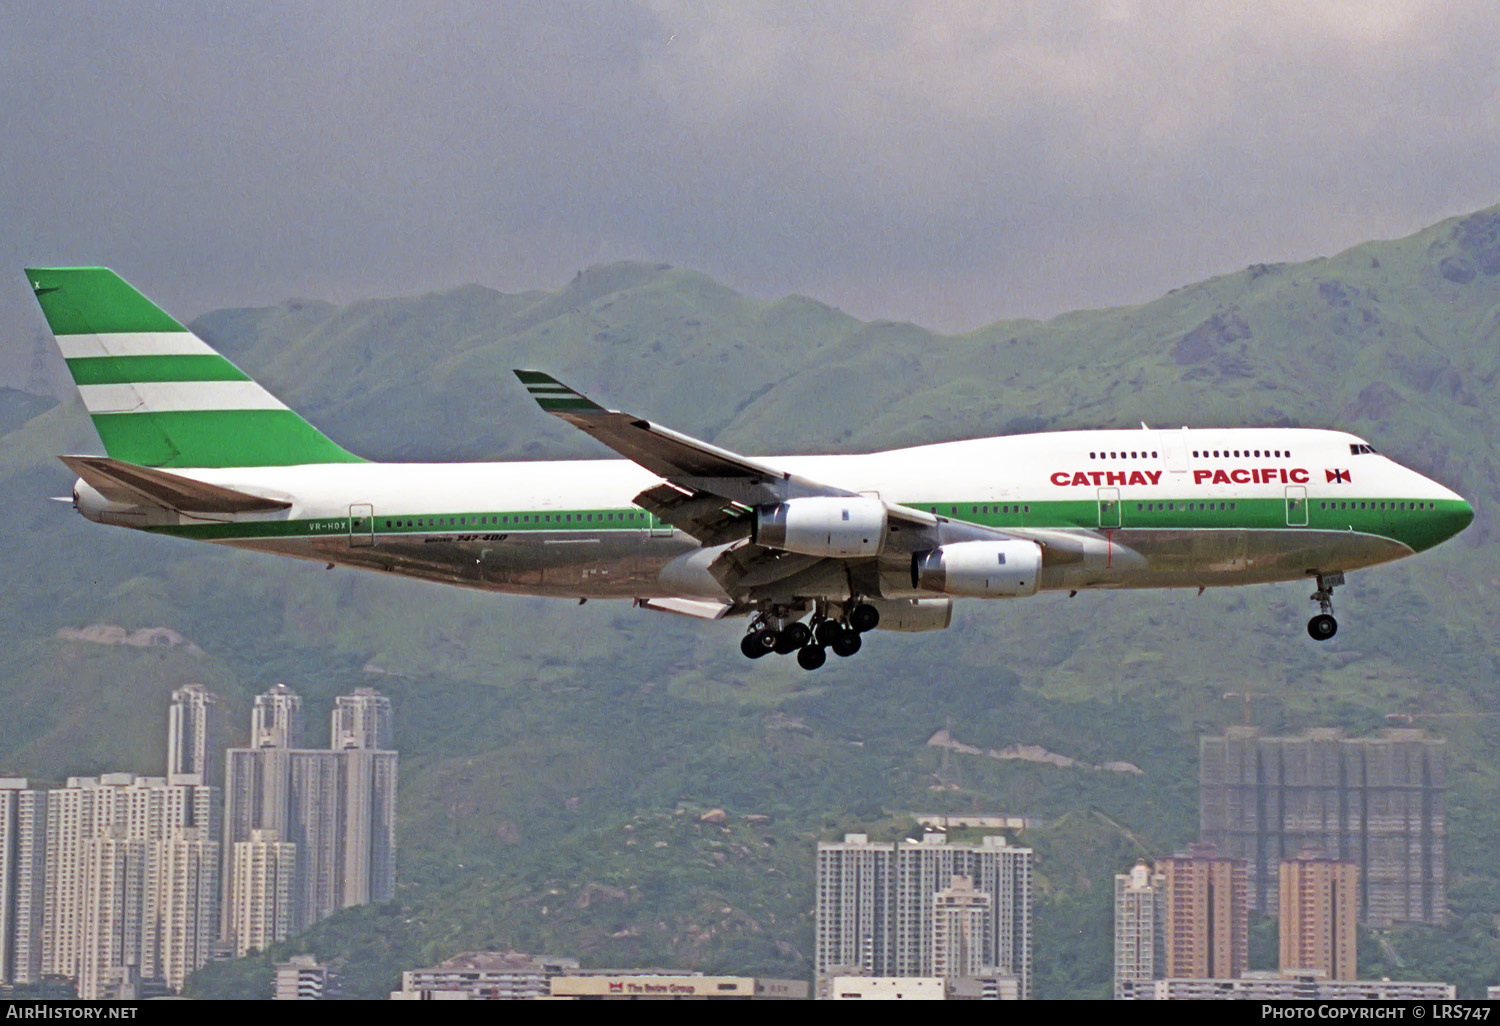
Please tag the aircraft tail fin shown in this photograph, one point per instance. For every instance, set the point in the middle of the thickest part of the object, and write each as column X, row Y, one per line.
column 158, row 395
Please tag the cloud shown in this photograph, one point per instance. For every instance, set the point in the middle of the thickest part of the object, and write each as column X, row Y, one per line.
column 947, row 162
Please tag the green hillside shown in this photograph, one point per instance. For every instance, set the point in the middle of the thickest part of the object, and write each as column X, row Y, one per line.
column 557, row 761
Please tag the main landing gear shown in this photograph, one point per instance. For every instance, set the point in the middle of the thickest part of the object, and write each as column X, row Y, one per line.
column 1324, row 626
column 770, row 632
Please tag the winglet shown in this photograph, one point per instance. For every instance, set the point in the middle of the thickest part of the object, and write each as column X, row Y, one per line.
column 555, row 397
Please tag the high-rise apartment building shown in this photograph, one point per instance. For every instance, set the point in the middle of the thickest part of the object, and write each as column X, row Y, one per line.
column 189, row 903
column 192, row 733
column 264, row 873
column 277, row 719
column 335, row 806
column 1378, row 802
column 23, row 846
column 362, row 720
column 111, row 932
column 107, row 884
column 878, row 907
column 960, row 925
column 1138, row 926
column 1318, row 902
column 1206, row 929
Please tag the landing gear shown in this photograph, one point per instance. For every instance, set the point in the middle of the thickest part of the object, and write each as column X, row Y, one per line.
column 846, row 642
column 758, row 643
column 793, row 637
column 776, row 630
column 1324, row 626
column 864, row 617
column 810, row 657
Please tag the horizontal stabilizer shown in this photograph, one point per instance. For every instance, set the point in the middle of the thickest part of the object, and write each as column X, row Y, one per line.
column 125, row 482
column 698, row 608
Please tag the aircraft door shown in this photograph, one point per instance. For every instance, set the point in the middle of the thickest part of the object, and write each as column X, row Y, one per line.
column 361, row 525
column 1109, row 508
column 659, row 528
column 1296, row 506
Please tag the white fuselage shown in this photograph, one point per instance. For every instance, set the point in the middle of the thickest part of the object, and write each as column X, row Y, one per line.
column 1150, row 508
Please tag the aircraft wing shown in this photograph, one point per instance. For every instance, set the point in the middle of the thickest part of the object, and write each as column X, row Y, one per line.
column 696, row 466
column 711, row 494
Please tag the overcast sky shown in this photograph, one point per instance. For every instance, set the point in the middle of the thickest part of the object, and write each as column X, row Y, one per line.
column 948, row 163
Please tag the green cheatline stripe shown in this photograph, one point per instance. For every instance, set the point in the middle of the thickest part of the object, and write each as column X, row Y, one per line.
column 216, row 438
column 535, row 378
column 1418, row 530
column 594, row 521
column 552, row 405
column 123, row 370
column 94, row 301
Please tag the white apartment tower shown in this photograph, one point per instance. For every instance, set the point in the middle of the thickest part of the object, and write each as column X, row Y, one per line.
column 189, row 903
column 277, row 720
column 336, row 806
column 960, row 927
column 877, row 903
column 108, row 890
column 264, row 873
column 192, row 730
column 1137, row 927
column 111, row 929
column 362, row 720
column 23, row 846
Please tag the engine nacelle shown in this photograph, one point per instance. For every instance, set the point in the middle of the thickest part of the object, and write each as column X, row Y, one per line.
column 984, row 569
column 823, row 525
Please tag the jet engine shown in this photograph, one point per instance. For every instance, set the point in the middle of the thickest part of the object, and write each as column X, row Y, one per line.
column 823, row 525
column 984, row 569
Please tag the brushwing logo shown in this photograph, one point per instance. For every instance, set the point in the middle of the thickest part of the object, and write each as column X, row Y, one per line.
column 1337, row 476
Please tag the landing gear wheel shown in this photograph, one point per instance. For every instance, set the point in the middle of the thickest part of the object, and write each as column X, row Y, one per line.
column 756, row 644
column 810, row 657
column 864, row 617
column 845, row 643
column 825, row 631
column 793, row 636
column 1322, row 627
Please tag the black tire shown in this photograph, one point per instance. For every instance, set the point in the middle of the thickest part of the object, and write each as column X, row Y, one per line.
column 864, row 617
column 797, row 634
column 810, row 657
column 786, row 643
column 1322, row 627
column 825, row 632
column 754, row 645
column 846, row 643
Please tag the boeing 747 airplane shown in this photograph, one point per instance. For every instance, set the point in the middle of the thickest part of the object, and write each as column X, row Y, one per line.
column 814, row 550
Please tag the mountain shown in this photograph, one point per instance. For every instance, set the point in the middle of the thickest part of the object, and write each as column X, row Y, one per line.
column 558, row 762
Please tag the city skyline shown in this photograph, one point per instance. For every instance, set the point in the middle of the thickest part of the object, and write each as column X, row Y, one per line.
column 116, row 882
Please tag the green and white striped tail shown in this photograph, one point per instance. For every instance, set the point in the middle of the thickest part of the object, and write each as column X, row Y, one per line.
column 158, row 395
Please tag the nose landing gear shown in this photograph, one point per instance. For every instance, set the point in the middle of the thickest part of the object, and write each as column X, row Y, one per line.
column 1324, row 626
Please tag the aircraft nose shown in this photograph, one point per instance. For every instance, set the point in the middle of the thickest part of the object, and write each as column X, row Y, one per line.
column 1461, row 516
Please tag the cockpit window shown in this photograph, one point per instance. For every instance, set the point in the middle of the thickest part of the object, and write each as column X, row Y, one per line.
column 1360, row 448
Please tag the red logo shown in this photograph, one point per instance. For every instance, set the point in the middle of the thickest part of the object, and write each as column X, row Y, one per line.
column 1337, row 476
column 616, row 988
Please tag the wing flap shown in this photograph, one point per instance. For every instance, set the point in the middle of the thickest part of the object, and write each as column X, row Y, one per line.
column 696, row 608
column 706, row 516
column 126, row 482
